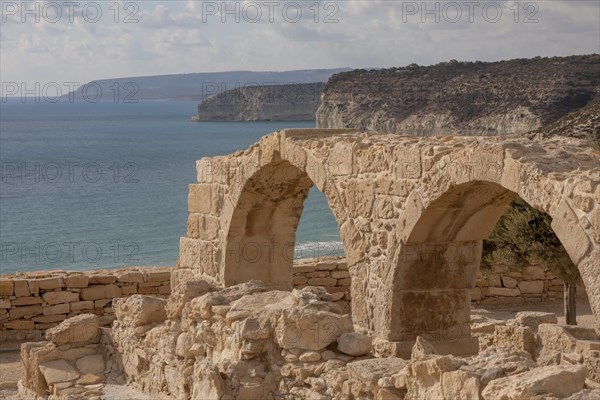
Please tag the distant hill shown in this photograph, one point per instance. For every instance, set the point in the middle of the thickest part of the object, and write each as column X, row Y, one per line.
column 195, row 87
column 461, row 98
column 296, row 102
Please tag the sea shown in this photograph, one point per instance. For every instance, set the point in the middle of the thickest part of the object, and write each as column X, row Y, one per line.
column 104, row 185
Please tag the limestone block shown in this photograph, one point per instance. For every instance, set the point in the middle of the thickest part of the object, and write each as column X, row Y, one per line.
column 82, row 305
column 21, row 288
column 127, row 290
column 500, row 291
column 140, row 309
column 521, row 337
column 301, row 269
column 102, row 279
column 533, row 273
column 554, row 381
column 310, row 329
column 325, row 266
column 6, row 287
column 60, row 297
column 57, row 309
column 340, row 274
column 461, row 385
column 531, row 287
column 421, row 349
column 58, row 371
column 92, row 364
column 94, row 292
column 424, row 378
column 158, row 276
column 131, row 277
column 509, row 282
column 83, row 328
column 26, row 301
column 199, row 198
column 51, row 283
column 354, row 344
column 299, row 280
column 34, row 286
column 184, row 293
column 26, row 311
column 78, row 280
column 112, row 291
column 19, row 325
column 5, row 303
column 566, row 226
column 47, row 319
column 322, row 282
column 318, row 274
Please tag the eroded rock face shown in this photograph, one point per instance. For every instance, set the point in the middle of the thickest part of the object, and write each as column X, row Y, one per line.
column 454, row 98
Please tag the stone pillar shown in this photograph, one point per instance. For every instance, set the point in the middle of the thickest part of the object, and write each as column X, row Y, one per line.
column 430, row 297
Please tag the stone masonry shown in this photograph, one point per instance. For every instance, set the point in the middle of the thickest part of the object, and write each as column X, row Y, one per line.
column 412, row 214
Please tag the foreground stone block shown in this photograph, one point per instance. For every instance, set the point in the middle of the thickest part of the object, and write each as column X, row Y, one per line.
column 83, row 328
column 354, row 344
column 558, row 381
column 58, row 371
column 310, row 329
column 533, row 319
column 140, row 309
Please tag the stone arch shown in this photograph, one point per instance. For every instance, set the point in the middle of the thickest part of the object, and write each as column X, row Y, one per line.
column 267, row 201
column 437, row 264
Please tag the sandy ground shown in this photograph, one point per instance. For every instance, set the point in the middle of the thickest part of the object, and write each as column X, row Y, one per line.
column 10, row 361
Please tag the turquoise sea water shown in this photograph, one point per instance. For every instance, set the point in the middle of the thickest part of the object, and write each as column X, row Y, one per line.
column 104, row 185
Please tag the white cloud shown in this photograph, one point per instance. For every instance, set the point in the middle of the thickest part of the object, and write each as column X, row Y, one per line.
column 189, row 36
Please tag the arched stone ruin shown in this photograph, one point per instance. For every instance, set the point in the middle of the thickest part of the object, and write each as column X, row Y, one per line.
column 412, row 214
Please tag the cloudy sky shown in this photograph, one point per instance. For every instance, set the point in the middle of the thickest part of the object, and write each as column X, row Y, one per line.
column 79, row 41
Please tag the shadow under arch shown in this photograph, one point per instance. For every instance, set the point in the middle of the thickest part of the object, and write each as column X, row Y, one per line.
column 261, row 234
column 437, row 267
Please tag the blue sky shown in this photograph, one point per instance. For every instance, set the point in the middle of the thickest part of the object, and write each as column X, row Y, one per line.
column 166, row 37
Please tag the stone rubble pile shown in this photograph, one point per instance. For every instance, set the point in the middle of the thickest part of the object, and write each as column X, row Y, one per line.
column 245, row 342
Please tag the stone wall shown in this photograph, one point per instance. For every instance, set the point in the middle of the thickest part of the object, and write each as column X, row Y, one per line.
column 534, row 283
column 32, row 302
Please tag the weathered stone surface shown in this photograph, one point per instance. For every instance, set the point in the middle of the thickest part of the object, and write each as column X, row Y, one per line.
column 461, row 385
column 505, row 292
column 533, row 319
column 310, row 329
column 60, row 297
column 422, row 349
column 6, row 287
column 140, row 310
column 83, row 328
column 558, row 381
column 531, row 287
column 131, row 277
column 354, row 344
column 78, row 280
column 58, row 371
column 51, row 283
column 92, row 364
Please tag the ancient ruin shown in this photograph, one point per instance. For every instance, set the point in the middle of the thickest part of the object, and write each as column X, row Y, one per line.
column 412, row 214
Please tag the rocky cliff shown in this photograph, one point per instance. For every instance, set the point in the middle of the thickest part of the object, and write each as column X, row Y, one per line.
column 461, row 98
column 294, row 102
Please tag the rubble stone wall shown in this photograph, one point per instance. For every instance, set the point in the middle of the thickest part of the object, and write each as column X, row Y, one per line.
column 32, row 302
